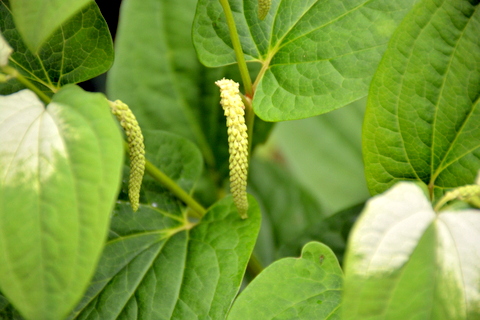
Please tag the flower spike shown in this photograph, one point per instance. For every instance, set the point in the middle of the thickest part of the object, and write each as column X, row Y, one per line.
column 237, row 142
column 263, row 8
column 136, row 148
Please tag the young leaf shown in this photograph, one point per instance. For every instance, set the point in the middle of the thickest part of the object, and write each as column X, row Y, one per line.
column 79, row 50
column 305, row 288
column 404, row 261
column 60, row 169
column 37, row 20
column 423, row 109
column 158, row 267
column 318, row 55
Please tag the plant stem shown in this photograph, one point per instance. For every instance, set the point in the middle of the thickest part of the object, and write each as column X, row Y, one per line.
column 249, row 121
column 14, row 73
column 237, row 47
column 174, row 188
column 254, row 267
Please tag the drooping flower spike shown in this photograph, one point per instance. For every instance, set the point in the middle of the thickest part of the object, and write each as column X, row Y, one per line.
column 263, row 8
column 136, row 149
column 234, row 110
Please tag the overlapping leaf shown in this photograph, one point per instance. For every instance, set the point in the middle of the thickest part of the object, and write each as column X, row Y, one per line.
column 406, row 261
column 60, row 173
column 424, row 108
column 80, row 49
column 321, row 55
column 38, row 19
column 305, row 288
column 156, row 263
column 157, row 266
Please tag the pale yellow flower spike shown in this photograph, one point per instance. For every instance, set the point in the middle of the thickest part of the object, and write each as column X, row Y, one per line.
column 263, row 8
column 137, row 149
column 237, row 142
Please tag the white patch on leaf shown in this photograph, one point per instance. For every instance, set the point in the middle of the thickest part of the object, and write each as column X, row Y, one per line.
column 31, row 140
column 5, row 51
column 389, row 229
column 458, row 251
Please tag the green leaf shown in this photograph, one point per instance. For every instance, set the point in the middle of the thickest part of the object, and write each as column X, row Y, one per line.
column 37, row 20
column 324, row 155
column 177, row 157
column 291, row 213
column 305, row 288
column 318, row 55
column 405, row 261
column 158, row 267
column 79, row 50
column 60, row 169
column 5, row 51
column 423, row 109
column 161, row 79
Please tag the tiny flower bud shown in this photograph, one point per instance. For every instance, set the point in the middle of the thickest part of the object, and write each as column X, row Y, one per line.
column 137, row 149
column 237, row 142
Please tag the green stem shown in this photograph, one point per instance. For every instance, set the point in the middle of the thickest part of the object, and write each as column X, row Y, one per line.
column 249, row 121
column 197, row 209
column 237, row 47
column 174, row 188
column 14, row 73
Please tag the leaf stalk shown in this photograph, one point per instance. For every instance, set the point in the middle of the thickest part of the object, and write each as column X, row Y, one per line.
column 237, row 47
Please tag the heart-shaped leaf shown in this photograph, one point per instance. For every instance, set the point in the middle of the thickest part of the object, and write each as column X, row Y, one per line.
column 60, row 170
column 405, row 261
column 424, row 107
column 317, row 55
column 305, row 288
column 77, row 51
column 158, row 264
column 162, row 266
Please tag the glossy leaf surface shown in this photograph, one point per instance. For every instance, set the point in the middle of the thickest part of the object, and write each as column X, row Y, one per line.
column 318, row 55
